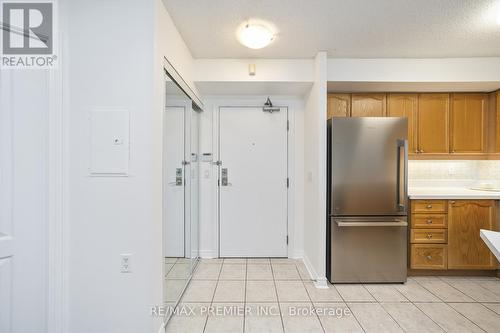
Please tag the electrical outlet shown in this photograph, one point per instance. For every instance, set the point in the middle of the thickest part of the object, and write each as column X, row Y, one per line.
column 126, row 262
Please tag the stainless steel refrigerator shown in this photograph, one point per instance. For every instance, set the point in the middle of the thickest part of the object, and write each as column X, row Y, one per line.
column 367, row 225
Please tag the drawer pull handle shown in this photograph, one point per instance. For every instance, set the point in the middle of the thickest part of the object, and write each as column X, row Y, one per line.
column 429, row 236
column 429, row 221
column 429, row 257
column 429, row 206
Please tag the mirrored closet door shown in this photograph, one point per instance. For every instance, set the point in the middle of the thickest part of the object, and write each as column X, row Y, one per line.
column 180, row 190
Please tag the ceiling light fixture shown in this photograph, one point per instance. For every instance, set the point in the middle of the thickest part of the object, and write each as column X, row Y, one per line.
column 255, row 35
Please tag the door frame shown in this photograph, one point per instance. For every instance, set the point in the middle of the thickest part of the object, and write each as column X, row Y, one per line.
column 216, row 170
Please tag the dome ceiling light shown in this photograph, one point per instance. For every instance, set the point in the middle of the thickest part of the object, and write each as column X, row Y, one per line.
column 255, row 35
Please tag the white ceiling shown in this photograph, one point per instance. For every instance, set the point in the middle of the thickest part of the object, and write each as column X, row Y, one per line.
column 344, row 28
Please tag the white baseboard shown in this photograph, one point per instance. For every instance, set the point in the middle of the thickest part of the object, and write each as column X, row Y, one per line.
column 320, row 282
column 296, row 255
column 208, row 254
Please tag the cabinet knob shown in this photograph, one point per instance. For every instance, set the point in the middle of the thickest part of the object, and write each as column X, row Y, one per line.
column 429, row 257
column 429, row 221
column 452, row 202
column 429, row 206
column 429, row 236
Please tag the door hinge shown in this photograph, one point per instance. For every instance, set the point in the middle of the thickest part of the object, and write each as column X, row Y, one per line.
column 218, row 182
column 287, row 182
column 288, row 125
column 287, row 239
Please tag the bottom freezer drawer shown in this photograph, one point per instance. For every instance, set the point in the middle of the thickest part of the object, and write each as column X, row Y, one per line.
column 368, row 250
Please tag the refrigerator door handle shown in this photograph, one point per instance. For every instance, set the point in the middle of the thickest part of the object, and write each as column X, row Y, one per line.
column 402, row 174
column 360, row 223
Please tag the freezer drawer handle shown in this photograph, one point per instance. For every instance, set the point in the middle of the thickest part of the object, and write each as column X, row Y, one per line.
column 341, row 223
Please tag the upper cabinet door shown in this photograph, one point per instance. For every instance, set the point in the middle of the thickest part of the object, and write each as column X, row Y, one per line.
column 368, row 105
column 433, row 115
column 339, row 105
column 467, row 123
column 405, row 105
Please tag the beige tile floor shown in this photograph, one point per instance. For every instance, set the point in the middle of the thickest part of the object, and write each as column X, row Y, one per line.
column 243, row 287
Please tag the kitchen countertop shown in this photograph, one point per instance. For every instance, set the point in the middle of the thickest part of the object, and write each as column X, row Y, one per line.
column 492, row 240
column 429, row 192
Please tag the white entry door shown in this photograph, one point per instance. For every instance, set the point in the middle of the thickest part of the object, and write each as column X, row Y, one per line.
column 253, row 182
column 174, row 186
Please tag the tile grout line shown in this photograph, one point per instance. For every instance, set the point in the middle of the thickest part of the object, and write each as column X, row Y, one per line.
column 383, row 308
column 312, row 303
column 452, row 309
column 277, row 297
column 466, row 318
column 445, row 302
column 352, row 312
column 245, row 296
column 467, row 280
column 398, row 291
column 213, row 296
column 449, row 286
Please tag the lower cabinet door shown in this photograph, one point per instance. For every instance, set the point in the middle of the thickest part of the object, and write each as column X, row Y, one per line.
column 428, row 256
column 466, row 249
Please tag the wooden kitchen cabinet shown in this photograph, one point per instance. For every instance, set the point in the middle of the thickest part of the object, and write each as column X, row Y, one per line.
column 467, row 123
column 428, row 206
column 339, row 105
column 405, row 105
column 425, row 236
column 428, row 234
column 497, row 127
column 466, row 250
column 433, row 115
column 428, row 256
column 368, row 105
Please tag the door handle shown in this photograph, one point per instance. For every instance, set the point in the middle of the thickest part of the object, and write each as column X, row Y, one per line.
column 341, row 223
column 224, row 177
column 402, row 174
column 178, row 177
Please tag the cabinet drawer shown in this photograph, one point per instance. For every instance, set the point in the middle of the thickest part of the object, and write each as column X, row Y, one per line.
column 429, row 221
column 432, row 236
column 428, row 206
column 429, row 256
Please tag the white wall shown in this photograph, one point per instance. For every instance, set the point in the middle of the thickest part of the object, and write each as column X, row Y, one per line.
column 111, row 66
column 116, row 62
column 315, row 174
column 169, row 44
column 208, row 186
column 415, row 70
column 236, row 70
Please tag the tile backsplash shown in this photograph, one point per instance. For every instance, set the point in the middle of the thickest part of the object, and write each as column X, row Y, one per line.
column 453, row 171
